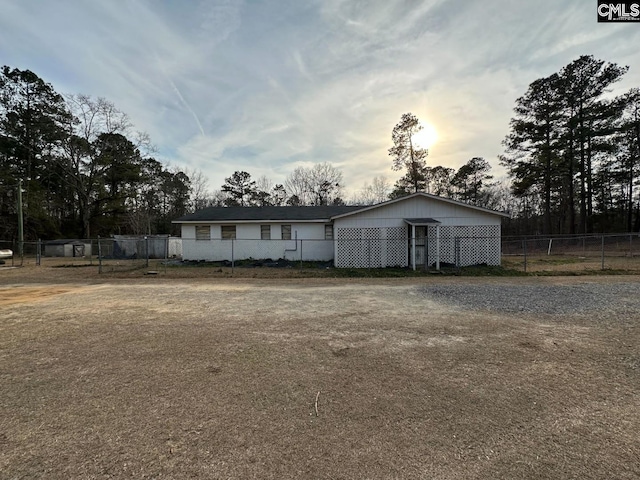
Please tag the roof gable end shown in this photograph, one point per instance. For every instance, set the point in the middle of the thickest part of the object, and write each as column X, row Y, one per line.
column 424, row 195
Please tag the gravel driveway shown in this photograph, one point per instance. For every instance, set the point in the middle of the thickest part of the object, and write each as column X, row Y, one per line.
column 612, row 298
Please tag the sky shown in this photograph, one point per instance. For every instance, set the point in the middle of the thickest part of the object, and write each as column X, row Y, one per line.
column 267, row 86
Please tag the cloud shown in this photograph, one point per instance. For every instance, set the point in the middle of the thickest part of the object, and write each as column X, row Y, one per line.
column 227, row 85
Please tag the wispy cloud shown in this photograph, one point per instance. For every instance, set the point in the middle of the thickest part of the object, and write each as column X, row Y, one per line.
column 263, row 86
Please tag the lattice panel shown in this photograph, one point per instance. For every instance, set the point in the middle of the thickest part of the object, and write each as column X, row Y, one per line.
column 485, row 249
column 372, row 247
column 373, row 244
column 388, row 247
column 397, row 247
column 352, row 251
column 464, row 246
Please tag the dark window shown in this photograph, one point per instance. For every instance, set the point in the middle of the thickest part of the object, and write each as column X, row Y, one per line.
column 203, row 232
column 228, row 232
column 286, row 232
column 265, row 232
column 328, row 232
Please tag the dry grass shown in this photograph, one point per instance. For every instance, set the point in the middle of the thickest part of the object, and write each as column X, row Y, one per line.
column 573, row 264
column 151, row 377
column 537, row 263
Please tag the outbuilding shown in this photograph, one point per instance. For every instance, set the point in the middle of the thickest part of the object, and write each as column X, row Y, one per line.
column 418, row 230
column 67, row 248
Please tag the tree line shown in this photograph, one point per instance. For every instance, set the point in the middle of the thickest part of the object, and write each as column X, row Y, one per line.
column 572, row 154
column 322, row 183
column 83, row 169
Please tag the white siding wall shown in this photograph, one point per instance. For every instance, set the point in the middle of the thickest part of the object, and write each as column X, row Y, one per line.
column 310, row 243
column 384, row 221
column 419, row 207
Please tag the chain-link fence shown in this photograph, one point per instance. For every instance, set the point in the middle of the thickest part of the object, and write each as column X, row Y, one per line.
column 572, row 253
column 111, row 254
column 432, row 251
column 426, row 252
column 575, row 253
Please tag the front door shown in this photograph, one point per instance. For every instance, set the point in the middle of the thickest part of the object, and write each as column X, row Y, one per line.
column 422, row 247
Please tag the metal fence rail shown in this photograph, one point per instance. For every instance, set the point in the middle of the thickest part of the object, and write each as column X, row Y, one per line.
column 574, row 252
column 107, row 254
column 524, row 253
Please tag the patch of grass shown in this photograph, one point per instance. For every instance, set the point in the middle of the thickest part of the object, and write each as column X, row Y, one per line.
column 71, row 265
column 552, row 260
column 375, row 272
column 472, row 271
column 582, row 273
column 484, row 271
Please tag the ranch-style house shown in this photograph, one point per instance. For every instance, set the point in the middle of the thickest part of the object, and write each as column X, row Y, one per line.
column 418, row 230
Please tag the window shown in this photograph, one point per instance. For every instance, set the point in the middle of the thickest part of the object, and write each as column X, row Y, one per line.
column 286, row 232
column 228, row 232
column 203, row 232
column 265, row 232
column 328, row 232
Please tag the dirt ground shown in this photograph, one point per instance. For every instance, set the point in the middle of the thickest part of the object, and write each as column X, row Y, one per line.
column 149, row 376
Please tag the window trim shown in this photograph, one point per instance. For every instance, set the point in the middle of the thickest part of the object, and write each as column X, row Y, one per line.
column 283, row 229
column 227, row 237
column 265, row 232
column 328, row 231
column 203, row 236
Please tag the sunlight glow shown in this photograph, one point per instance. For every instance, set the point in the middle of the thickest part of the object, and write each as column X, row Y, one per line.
column 426, row 137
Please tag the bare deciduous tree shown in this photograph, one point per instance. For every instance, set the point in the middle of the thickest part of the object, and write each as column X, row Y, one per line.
column 370, row 194
column 318, row 185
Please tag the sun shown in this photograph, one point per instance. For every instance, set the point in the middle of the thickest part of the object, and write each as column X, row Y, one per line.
column 426, row 137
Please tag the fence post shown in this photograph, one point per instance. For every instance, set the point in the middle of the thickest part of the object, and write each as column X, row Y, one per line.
column 524, row 247
column 369, row 252
column 38, row 250
column 602, row 267
column 166, row 253
column 99, row 256
column 233, row 261
column 630, row 246
column 146, row 247
column 300, row 254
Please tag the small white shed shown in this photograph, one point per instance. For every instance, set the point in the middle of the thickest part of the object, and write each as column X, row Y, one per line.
column 67, row 248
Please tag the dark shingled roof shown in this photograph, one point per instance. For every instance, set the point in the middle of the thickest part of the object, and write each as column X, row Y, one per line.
column 66, row 241
column 229, row 214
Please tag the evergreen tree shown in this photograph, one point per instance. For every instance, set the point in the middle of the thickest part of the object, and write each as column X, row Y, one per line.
column 407, row 156
column 240, row 189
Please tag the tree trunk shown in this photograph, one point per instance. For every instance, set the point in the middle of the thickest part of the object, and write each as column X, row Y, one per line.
column 589, row 185
column 570, row 189
column 583, row 173
column 547, row 182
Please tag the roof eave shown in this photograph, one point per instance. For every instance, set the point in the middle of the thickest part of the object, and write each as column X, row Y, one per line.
column 262, row 220
column 421, row 222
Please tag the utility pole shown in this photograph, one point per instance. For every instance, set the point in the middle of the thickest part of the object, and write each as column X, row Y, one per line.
column 20, row 221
